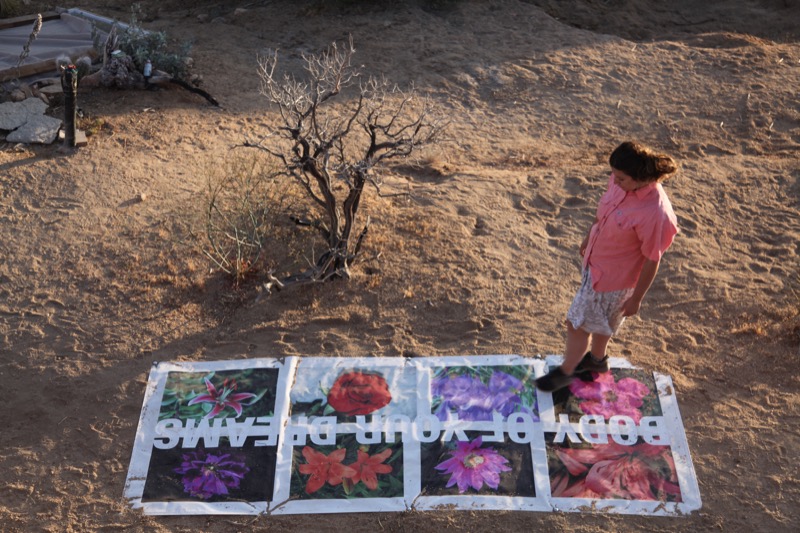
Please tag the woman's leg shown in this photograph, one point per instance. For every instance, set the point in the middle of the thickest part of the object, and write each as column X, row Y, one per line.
column 558, row 378
column 577, row 344
column 599, row 344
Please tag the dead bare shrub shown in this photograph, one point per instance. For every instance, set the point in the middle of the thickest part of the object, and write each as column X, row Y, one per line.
column 336, row 126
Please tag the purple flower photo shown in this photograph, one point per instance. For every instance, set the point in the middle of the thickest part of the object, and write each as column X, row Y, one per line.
column 476, row 393
column 205, row 474
column 208, row 474
column 472, row 466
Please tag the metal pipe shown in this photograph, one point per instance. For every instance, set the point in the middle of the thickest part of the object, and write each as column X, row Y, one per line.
column 69, row 84
column 97, row 19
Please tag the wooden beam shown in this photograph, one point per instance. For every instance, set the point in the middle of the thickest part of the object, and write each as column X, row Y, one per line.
column 24, row 20
column 28, row 70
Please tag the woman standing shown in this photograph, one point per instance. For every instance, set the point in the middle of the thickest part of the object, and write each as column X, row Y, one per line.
column 621, row 253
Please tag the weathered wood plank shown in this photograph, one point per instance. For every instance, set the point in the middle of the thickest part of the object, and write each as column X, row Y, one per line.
column 28, row 70
column 24, row 20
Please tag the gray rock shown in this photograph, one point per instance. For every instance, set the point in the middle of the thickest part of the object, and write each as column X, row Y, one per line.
column 38, row 129
column 15, row 114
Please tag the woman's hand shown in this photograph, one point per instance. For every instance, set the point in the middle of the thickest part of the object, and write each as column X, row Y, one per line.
column 646, row 277
column 585, row 244
column 631, row 306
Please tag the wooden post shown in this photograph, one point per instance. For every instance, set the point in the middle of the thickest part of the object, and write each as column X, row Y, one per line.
column 69, row 83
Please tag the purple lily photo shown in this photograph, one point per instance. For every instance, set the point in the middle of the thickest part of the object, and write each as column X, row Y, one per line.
column 222, row 398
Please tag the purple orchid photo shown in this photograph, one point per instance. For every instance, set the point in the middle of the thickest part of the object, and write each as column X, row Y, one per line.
column 476, row 393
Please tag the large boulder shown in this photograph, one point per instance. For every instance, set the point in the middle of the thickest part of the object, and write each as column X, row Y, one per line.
column 28, row 122
column 15, row 114
column 37, row 130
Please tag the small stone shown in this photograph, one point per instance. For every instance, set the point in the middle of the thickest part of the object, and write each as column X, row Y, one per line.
column 44, row 82
column 239, row 11
column 52, row 95
column 80, row 138
column 51, row 89
column 202, row 18
column 141, row 197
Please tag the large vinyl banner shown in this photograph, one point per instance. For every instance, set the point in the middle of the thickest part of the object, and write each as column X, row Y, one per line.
column 342, row 435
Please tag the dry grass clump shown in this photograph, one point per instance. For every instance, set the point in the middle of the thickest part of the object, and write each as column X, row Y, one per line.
column 10, row 8
column 781, row 321
column 242, row 223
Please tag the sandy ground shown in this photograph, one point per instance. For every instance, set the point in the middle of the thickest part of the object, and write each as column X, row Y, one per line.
column 481, row 258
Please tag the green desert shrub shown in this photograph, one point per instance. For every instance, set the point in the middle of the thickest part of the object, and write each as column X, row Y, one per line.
column 142, row 45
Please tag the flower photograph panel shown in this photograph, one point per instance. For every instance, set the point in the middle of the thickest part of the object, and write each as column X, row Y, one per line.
column 475, row 467
column 218, row 474
column 347, row 470
column 626, row 392
column 243, row 393
column 475, row 393
column 350, row 392
column 210, row 443
column 640, row 471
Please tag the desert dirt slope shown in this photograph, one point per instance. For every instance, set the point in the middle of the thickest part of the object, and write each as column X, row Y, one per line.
column 480, row 257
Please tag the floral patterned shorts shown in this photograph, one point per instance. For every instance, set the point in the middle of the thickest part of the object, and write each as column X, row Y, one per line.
column 597, row 312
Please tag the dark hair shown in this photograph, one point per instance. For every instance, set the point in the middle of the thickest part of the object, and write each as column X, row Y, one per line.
column 641, row 163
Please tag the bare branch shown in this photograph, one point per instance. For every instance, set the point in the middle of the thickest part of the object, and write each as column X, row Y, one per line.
column 331, row 150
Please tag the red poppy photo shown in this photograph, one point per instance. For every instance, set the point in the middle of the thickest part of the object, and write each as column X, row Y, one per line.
column 359, row 393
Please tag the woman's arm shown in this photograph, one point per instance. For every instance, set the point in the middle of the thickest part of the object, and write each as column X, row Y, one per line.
column 585, row 242
column 632, row 304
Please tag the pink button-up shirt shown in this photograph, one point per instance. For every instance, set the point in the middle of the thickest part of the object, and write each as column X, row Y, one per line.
column 631, row 227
